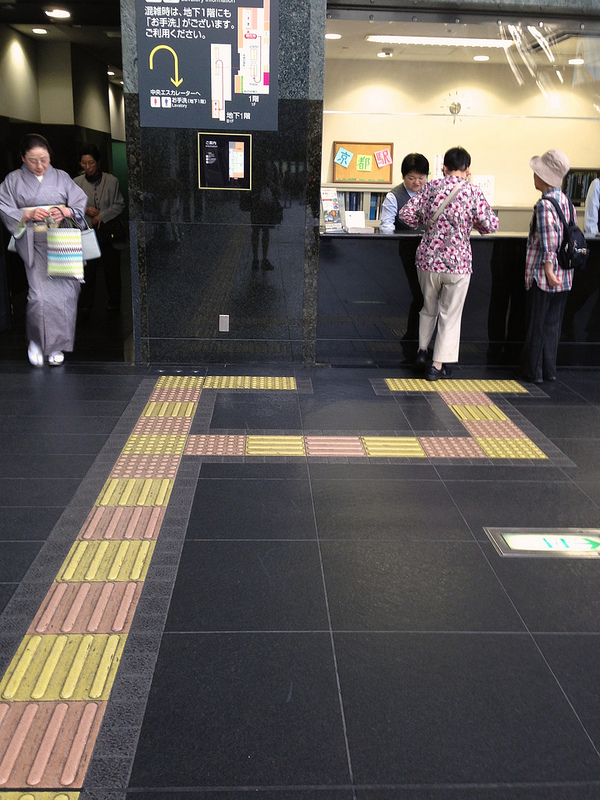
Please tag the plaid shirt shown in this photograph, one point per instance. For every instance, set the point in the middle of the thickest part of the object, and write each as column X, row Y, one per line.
column 545, row 235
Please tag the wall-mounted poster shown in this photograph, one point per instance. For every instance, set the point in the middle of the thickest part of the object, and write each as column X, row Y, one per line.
column 208, row 64
column 362, row 162
column 224, row 161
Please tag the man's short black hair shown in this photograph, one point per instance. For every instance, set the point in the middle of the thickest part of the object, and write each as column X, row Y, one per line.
column 457, row 158
column 415, row 162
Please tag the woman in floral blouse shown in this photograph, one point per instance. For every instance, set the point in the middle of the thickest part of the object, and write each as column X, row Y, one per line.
column 444, row 258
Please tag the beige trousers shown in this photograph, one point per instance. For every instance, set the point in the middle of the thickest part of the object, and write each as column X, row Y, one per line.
column 444, row 295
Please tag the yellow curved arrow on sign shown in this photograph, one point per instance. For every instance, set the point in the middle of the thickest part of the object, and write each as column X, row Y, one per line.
column 176, row 80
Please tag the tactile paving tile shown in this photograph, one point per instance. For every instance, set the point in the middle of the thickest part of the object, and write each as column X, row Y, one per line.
column 146, row 466
column 122, row 522
column 466, row 399
column 162, row 426
column 215, row 445
column 454, row 385
column 451, row 447
column 175, row 396
column 510, row 448
column 335, row 446
column 154, row 444
column 179, row 382
column 248, row 382
column 169, row 410
column 501, row 429
column 275, row 446
column 87, row 608
column 393, row 447
column 107, row 561
column 479, row 413
column 72, row 667
column 135, row 492
column 58, row 758
column 39, row 795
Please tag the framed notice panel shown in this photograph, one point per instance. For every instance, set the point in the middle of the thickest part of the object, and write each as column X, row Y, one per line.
column 362, row 162
column 224, row 161
column 209, row 64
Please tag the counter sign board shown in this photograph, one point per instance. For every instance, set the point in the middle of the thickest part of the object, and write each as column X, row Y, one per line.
column 208, row 64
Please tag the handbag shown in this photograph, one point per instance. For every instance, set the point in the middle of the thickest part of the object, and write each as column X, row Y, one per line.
column 65, row 253
column 114, row 230
column 89, row 244
column 12, row 246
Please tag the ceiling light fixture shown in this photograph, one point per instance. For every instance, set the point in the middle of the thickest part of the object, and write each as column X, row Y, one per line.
column 333, row 35
column 385, row 53
column 576, row 62
column 57, row 13
column 481, row 58
column 442, row 41
column 40, row 31
column 110, row 72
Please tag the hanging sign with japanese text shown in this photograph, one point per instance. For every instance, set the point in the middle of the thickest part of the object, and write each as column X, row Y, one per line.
column 208, row 63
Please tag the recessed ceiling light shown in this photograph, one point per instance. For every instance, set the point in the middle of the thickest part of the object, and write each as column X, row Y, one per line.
column 443, row 41
column 57, row 13
column 40, row 31
column 576, row 62
column 385, row 53
column 333, row 35
column 481, row 58
column 110, row 72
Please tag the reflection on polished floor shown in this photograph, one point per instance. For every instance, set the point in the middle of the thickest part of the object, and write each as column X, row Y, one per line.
column 275, row 582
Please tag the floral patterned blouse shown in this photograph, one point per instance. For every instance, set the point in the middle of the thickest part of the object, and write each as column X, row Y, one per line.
column 446, row 247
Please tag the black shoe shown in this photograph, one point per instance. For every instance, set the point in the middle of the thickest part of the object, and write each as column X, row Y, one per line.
column 434, row 374
column 420, row 361
column 266, row 264
column 255, row 263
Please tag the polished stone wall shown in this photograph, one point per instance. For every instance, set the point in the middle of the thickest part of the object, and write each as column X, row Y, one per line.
column 198, row 254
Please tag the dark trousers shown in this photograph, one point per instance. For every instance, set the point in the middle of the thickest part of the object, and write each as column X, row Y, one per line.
column 408, row 255
column 545, row 314
column 110, row 260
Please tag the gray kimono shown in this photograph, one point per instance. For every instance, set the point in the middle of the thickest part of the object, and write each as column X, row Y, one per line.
column 51, row 304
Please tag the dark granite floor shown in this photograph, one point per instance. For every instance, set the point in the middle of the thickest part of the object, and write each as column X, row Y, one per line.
column 324, row 628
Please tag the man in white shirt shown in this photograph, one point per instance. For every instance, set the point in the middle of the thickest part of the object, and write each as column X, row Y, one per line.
column 592, row 207
column 415, row 171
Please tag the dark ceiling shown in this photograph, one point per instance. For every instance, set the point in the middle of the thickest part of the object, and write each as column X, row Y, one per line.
column 93, row 26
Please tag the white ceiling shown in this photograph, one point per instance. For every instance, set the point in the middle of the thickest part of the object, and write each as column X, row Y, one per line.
column 563, row 44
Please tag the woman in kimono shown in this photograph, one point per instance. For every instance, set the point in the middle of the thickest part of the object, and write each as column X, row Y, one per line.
column 31, row 198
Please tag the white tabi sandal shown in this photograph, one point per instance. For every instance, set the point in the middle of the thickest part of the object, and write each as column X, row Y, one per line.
column 35, row 355
column 56, row 359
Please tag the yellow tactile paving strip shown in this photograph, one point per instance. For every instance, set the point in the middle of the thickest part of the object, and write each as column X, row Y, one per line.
column 454, row 385
column 39, row 795
column 54, row 693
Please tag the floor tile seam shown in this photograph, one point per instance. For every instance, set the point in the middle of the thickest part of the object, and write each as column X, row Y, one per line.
column 529, row 633
column 340, row 697
column 345, row 631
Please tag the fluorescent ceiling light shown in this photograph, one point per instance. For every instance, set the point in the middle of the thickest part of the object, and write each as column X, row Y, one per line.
column 443, row 41
column 333, row 35
column 110, row 72
column 58, row 13
column 576, row 62
column 481, row 58
column 40, row 31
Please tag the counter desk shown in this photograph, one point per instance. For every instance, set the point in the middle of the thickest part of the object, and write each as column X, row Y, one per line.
column 364, row 301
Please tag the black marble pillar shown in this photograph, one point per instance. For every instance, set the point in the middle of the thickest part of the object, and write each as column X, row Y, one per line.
column 199, row 254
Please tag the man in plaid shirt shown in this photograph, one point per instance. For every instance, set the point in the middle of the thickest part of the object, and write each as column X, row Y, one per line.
column 546, row 282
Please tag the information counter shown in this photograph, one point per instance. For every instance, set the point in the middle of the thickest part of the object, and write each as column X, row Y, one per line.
column 364, row 300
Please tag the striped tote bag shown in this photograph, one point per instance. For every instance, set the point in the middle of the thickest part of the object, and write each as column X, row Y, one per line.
column 65, row 253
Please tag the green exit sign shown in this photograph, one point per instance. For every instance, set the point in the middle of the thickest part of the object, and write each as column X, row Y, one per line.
column 546, row 542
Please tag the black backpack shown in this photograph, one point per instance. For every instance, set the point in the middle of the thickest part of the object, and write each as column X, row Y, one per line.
column 572, row 251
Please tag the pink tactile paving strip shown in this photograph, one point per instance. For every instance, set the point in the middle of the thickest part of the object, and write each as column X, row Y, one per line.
column 215, row 445
column 451, row 447
column 335, row 446
column 501, row 429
